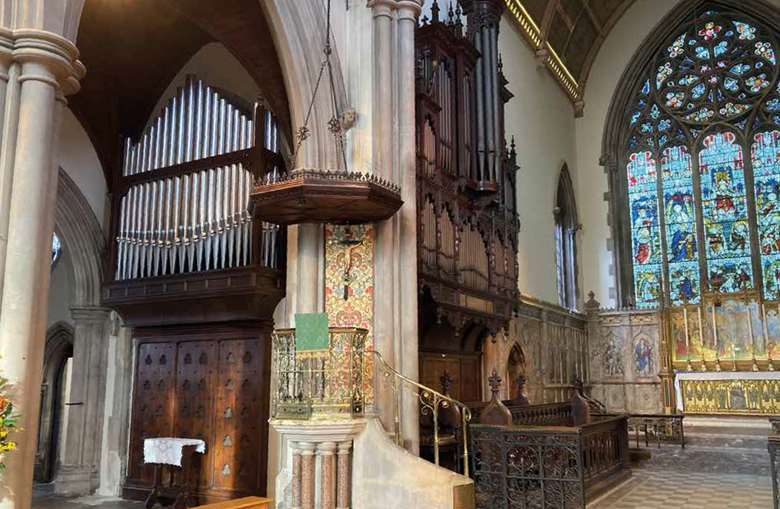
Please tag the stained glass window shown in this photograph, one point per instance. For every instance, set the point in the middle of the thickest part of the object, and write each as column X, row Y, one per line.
column 766, row 175
column 709, row 99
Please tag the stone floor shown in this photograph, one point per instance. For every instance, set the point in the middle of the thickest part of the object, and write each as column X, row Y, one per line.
column 721, row 468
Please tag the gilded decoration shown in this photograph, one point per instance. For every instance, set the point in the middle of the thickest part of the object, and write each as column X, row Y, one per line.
column 739, row 333
column 349, row 282
column 737, row 396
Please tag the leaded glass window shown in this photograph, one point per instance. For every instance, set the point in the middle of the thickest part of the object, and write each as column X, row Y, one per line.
column 702, row 161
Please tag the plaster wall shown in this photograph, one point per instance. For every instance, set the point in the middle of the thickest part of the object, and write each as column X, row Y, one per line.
column 76, row 155
column 216, row 66
column 541, row 119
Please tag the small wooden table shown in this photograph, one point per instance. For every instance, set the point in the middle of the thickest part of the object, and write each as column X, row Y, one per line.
column 176, row 454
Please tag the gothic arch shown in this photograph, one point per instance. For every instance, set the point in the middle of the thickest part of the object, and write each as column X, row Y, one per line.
column 59, row 348
column 616, row 124
column 566, row 226
column 82, row 236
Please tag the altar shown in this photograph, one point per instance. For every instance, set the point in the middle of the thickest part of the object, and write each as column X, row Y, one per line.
column 728, row 392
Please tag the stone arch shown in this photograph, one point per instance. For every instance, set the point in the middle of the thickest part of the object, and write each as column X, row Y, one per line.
column 616, row 122
column 59, row 348
column 80, row 232
column 299, row 32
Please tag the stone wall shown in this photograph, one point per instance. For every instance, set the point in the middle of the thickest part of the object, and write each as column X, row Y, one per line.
column 553, row 342
column 625, row 352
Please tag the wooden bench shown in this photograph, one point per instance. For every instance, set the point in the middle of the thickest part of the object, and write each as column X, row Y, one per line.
column 240, row 503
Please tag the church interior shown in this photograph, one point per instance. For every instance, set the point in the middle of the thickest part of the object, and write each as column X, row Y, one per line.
column 434, row 254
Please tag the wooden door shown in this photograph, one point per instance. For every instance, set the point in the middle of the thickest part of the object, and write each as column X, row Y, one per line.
column 211, row 384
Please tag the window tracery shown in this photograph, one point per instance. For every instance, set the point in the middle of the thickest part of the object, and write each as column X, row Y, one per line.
column 702, row 161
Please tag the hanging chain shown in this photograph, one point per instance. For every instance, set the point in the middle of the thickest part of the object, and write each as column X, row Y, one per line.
column 334, row 125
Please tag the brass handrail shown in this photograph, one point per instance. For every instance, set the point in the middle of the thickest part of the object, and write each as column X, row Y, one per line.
column 429, row 401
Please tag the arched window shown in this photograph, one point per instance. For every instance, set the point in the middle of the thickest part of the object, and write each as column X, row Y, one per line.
column 56, row 249
column 566, row 226
column 702, row 164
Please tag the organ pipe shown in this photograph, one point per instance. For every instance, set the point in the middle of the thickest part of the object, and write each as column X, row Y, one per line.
column 197, row 220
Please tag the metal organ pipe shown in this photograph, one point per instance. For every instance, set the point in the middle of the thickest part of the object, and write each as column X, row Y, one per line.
column 496, row 101
column 196, row 220
column 480, row 169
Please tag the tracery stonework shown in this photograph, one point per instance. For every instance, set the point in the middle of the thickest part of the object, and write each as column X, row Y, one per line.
column 701, row 155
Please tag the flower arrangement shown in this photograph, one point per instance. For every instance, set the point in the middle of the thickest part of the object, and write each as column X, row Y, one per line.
column 7, row 422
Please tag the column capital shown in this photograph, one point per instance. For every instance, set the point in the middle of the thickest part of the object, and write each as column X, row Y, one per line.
column 56, row 57
column 89, row 314
column 344, row 447
column 326, row 448
column 409, row 9
column 382, row 7
column 307, row 448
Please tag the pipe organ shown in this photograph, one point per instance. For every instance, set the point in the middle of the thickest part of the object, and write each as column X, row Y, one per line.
column 198, row 276
column 465, row 189
column 185, row 208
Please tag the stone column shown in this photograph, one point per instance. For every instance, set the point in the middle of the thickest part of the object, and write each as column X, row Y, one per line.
column 386, row 249
column 344, row 476
column 9, row 112
column 79, row 472
column 408, row 10
column 308, row 474
column 296, row 476
column 48, row 69
column 326, row 451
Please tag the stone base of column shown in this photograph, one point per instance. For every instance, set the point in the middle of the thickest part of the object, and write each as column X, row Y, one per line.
column 76, row 480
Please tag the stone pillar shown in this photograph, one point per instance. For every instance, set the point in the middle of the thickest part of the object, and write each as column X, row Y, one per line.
column 344, row 476
column 395, row 274
column 308, row 474
column 79, row 473
column 9, row 112
column 296, row 476
column 408, row 10
column 48, row 69
column 326, row 451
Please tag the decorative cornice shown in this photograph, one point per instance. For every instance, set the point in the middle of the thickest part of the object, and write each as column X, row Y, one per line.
column 545, row 54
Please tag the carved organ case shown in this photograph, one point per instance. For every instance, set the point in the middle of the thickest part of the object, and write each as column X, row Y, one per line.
column 467, row 221
column 198, row 278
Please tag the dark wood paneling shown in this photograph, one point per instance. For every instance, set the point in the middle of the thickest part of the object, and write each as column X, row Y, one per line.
column 465, row 371
column 209, row 382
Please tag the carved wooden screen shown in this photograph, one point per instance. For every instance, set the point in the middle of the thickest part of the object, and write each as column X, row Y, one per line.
column 211, row 384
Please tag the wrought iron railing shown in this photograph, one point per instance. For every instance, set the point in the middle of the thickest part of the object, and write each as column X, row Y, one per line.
column 522, row 466
column 322, row 382
column 433, row 405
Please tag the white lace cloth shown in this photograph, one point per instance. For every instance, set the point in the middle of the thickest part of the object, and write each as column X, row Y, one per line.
column 168, row 451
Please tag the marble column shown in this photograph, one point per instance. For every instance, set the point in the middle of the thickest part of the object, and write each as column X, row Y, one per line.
column 327, row 454
column 296, row 476
column 308, row 474
column 344, row 476
column 48, row 69
column 79, row 472
column 9, row 111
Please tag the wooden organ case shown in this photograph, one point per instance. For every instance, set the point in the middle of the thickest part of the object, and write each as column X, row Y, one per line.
column 467, row 221
column 198, row 279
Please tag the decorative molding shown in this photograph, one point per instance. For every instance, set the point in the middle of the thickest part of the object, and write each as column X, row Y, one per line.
column 546, row 55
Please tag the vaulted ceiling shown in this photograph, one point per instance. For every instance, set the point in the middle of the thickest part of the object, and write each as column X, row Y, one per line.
column 567, row 34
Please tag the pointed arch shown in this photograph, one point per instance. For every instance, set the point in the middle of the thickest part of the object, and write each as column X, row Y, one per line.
column 566, row 227
column 684, row 137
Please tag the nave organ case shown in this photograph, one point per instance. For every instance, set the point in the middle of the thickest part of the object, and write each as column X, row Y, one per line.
column 198, row 279
column 467, row 220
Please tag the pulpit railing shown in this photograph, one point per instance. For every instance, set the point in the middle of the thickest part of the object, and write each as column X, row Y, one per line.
column 318, row 382
column 449, row 417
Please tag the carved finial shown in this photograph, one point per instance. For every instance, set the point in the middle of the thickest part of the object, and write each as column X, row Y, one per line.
column 459, row 19
column 435, row 11
column 495, row 382
column 446, row 383
column 450, row 15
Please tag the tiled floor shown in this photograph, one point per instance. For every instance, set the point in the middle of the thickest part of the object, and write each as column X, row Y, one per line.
column 712, row 473
column 51, row 502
